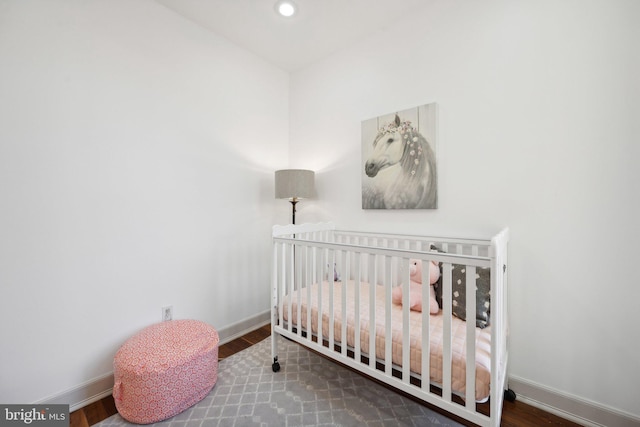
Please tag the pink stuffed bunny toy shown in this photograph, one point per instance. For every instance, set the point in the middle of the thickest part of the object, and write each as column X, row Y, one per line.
column 415, row 290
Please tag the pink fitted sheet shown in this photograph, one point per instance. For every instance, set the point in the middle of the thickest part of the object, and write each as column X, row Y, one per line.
column 458, row 327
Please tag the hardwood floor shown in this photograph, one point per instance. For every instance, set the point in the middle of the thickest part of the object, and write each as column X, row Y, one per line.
column 514, row 414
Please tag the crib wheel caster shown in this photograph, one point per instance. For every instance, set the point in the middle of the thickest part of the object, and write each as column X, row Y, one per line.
column 510, row 395
column 276, row 365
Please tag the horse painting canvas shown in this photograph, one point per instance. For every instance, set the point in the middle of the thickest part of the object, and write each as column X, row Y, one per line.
column 399, row 169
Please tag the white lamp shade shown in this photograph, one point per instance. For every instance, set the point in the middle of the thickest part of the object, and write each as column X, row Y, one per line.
column 294, row 184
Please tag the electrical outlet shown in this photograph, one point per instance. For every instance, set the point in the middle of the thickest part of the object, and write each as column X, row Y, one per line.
column 167, row 313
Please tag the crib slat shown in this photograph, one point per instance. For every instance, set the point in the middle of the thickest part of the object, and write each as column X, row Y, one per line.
column 275, row 311
column 298, row 287
column 332, row 260
column 310, row 275
column 471, row 336
column 446, row 332
column 282, row 285
column 358, row 278
column 290, row 275
column 345, row 267
column 425, row 367
column 406, row 324
column 387, row 316
column 372, row 312
column 320, row 260
column 425, row 318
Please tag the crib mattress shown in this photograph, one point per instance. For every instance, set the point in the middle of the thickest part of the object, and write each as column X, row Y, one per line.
column 458, row 327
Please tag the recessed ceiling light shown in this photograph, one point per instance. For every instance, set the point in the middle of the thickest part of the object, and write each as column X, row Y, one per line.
column 286, row 8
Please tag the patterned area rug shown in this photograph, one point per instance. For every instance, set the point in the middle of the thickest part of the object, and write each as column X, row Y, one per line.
column 309, row 390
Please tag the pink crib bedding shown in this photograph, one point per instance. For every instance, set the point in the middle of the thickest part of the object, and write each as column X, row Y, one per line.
column 458, row 341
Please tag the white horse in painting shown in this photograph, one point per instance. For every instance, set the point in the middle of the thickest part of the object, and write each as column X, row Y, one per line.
column 405, row 165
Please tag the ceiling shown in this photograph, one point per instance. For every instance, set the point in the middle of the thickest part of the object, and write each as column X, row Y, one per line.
column 320, row 27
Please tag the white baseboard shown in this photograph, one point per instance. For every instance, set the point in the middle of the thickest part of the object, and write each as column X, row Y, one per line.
column 84, row 394
column 581, row 411
column 240, row 328
column 101, row 387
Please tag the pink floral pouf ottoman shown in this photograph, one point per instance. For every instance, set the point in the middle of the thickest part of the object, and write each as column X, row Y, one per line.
column 164, row 369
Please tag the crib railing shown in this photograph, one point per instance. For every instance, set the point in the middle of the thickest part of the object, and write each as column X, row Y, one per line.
column 315, row 253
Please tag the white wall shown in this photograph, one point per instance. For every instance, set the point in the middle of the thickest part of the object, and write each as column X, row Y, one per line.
column 126, row 162
column 136, row 165
column 539, row 106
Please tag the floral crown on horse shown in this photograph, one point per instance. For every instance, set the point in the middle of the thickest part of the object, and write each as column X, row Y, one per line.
column 404, row 127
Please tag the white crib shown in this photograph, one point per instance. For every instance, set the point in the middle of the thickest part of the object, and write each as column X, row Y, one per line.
column 329, row 287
